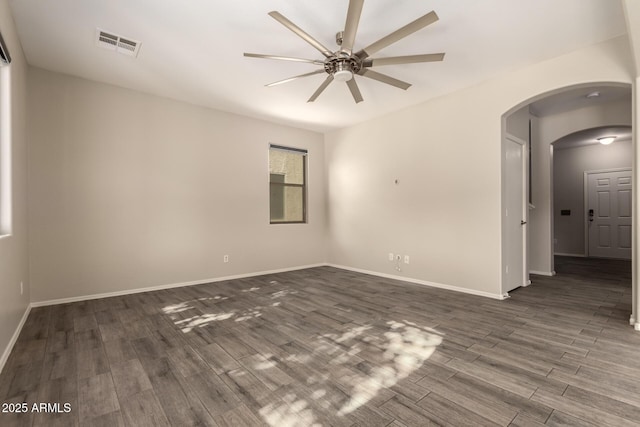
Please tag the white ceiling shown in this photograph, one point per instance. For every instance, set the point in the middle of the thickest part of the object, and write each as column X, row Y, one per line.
column 574, row 99
column 590, row 137
column 192, row 50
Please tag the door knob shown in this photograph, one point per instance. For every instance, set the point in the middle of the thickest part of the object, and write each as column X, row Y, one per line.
column 523, row 222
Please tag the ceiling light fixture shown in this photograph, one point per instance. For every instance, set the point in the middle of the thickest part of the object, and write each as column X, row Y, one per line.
column 343, row 73
column 606, row 140
column 594, row 94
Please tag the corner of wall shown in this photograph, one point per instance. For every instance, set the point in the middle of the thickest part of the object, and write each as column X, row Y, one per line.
column 14, row 305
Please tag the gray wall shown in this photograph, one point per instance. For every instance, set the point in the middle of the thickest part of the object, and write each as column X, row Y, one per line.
column 518, row 123
column 130, row 191
column 569, row 166
column 13, row 249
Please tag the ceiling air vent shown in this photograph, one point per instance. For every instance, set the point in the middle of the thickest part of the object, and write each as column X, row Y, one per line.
column 108, row 40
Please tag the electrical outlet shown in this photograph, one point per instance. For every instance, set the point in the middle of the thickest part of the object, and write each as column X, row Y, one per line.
column 391, row 256
column 21, row 288
column 226, row 258
column 406, row 259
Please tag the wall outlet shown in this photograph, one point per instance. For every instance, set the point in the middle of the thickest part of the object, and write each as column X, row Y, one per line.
column 391, row 256
column 21, row 288
column 225, row 258
column 406, row 259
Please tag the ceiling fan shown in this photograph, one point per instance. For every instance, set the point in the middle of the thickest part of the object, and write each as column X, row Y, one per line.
column 343, row 64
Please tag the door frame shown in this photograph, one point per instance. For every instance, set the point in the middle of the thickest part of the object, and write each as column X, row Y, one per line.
column 586, row 200
column 525, row 211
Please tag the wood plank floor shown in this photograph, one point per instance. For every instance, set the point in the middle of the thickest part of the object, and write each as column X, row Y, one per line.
column 330, row 347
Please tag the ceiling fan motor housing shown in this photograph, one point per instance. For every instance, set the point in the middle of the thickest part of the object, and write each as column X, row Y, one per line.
column 340, row 65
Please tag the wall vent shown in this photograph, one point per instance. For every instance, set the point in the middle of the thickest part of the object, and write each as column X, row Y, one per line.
column 111, row 41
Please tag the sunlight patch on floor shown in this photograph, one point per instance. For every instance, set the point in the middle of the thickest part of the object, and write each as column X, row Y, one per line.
column 391, row 352
column 249, row 314
column 187, row 325
column 292, row 412
column 177, row 308
column 216, row 298
column 283, row 293
column 400, row 347
column 406, row 348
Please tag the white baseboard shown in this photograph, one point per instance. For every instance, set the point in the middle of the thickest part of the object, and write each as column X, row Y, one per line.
column 572, row 255
column 423, row 282
column 262, row 273
column 543, row 273
column 168, row 286
column 636, row 326
column 14, row 338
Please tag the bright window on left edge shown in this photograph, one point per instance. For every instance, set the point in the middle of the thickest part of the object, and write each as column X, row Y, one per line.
column 5, row 140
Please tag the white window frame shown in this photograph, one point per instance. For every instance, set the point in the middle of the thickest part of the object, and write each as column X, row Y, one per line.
column 304, row 186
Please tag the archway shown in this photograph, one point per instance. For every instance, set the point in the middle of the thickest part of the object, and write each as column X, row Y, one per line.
column 542, row 120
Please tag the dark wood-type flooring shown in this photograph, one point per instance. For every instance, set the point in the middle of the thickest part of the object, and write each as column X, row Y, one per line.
column 330, row 347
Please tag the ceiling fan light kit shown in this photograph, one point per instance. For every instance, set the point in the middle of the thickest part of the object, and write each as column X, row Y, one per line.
column 343, row 75
column 342, row 65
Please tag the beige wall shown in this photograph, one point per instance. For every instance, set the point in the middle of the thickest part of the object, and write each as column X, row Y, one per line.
column 569, row 166
column 13, row 249
column 446, row 210
column 130, row 191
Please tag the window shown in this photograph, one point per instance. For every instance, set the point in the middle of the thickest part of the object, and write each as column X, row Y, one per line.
column 287, row 185
column 5, row 140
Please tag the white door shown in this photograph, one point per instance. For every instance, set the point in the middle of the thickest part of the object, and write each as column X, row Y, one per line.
column 515, row 214
column 609, row 214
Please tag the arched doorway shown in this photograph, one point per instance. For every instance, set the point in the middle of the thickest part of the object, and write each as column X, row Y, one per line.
column 540, row 121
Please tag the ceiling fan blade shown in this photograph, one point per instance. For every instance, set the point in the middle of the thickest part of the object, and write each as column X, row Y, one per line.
column 384, row 78
column 411, row 59
column 351, row 26
column 355, row 90
column 279, row 82
column 283, row 58
column 300, row 32
column 399, row 34
column 322, row 87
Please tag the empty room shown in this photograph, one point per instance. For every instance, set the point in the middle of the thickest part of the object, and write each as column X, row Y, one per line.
column 319, row 213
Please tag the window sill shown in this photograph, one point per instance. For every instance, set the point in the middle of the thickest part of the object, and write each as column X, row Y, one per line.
column 289, row 222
